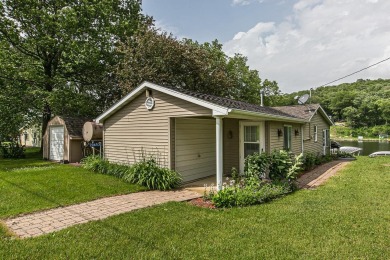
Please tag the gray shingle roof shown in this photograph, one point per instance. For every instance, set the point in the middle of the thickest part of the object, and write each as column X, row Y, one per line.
column 300, row 111
column 74, row 125
column 235, row 104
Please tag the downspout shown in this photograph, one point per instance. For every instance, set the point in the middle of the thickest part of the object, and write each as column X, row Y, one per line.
column 302, row 139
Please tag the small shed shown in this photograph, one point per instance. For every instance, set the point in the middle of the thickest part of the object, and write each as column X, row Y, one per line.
column 63, row 139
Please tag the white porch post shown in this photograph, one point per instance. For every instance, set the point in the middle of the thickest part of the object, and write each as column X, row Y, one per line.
column 219, row 150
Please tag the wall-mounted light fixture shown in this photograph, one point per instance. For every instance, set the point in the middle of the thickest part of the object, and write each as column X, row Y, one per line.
column 296, row 132
column 230, row 134
column 280, row 133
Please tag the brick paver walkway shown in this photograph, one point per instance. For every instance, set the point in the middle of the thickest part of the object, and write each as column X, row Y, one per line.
column 319, row 175
column 48, row 221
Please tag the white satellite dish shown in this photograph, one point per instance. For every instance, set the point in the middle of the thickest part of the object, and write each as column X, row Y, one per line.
column 303, row 99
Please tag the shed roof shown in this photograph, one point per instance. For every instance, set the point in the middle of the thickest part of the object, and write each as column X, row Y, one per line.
column 74, row 125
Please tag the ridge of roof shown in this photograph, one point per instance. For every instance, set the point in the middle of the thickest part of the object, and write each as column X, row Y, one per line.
column 232, row 103
column 74, row 125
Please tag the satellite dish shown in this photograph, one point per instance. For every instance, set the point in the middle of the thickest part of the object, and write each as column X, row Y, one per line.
column 303, row 99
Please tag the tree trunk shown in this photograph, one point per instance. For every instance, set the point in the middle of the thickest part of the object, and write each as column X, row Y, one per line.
column 46, row 116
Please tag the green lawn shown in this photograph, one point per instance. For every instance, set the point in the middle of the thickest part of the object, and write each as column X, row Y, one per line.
column 348, row 218
column 32, row 184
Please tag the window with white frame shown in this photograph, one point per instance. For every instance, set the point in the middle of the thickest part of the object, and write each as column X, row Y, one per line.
column 287, row 137
column 315, row 133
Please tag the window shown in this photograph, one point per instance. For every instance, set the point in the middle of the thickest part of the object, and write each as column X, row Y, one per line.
column 315, row 134
column 251, row 140
column 287, row 137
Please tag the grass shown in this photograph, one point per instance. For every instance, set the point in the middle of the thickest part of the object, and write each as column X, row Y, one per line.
column 348, row 218
column 31, row 184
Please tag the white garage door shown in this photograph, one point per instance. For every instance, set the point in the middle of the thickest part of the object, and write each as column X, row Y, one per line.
column 56, row 143
column 195, row 148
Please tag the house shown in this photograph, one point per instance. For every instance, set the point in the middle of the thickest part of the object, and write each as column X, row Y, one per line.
column 63, row 139
column 199, row 135
column 30, row 136
column 315, row 132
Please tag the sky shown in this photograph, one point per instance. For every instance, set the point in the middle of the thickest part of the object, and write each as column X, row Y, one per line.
column 301, row 44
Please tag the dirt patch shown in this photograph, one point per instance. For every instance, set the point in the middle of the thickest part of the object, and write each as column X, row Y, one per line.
column 387, row 165
column 200, row 202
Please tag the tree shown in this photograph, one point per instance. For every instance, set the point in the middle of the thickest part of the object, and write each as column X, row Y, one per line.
column 205, row 68
column 65, row 49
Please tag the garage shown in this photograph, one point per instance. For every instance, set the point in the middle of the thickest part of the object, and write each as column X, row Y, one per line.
column 56, row 143
column 195, row 148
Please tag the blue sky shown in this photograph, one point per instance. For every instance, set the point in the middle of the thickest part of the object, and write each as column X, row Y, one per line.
column 298, row 43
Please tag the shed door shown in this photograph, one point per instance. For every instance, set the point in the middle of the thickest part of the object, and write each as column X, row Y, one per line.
column 56, row 143
column 195, row 148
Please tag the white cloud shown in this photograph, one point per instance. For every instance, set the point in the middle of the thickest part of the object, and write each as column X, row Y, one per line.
column 245, row 2
column 321, row 41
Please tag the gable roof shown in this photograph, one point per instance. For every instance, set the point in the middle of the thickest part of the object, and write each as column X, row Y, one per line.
column 74, row 125
column 306, row 111
column 220, row 106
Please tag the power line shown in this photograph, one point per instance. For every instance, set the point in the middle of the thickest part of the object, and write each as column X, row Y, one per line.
column 355, row 72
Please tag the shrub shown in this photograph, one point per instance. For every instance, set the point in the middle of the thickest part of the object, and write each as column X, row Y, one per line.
column 279, row 165
column 146, row 172
column 251, row 193
column 12, row 150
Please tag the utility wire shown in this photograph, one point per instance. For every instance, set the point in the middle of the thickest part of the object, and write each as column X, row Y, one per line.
column 355, row 72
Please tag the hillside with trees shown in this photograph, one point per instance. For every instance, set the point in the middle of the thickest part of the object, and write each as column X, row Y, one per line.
column 364, row 106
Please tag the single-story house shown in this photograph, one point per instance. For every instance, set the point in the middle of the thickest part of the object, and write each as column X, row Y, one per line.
column 63, row 139
column 200, row 135
column 30, row 136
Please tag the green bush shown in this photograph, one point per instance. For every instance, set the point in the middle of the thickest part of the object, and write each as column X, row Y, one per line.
column 12, row 150
column 279, row 165
column 146, row 172
column 257, row 192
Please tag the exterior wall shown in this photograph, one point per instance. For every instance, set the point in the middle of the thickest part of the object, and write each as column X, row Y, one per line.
column 75, row 154
column 275, row 142
column 310, row 146
column 230, row 145
column 134, row 131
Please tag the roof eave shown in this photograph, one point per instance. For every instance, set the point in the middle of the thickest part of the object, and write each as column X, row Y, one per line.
column 216, row 109
column 267, row 116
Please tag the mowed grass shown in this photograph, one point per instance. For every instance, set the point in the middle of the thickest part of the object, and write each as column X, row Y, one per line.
column 31, row 184
column 348, row 218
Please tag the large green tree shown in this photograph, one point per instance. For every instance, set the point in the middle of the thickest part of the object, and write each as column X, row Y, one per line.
column 62, row 51
column 163, row 59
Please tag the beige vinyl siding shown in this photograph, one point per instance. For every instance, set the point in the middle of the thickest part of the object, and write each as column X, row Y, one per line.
column 195, row 148
column 230, row 145
column 134, row 131
column 310, row 146
column 276, row 142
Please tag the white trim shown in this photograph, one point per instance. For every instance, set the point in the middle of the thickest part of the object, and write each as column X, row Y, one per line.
column 302, row 145
column 261, row 126
column 315, row 133
column 323, row 115
column 217, row 110
column 219, row 150
column 284, row 133
column 265, row 116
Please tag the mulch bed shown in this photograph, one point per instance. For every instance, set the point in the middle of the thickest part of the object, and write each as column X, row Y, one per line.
column 200, row 202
